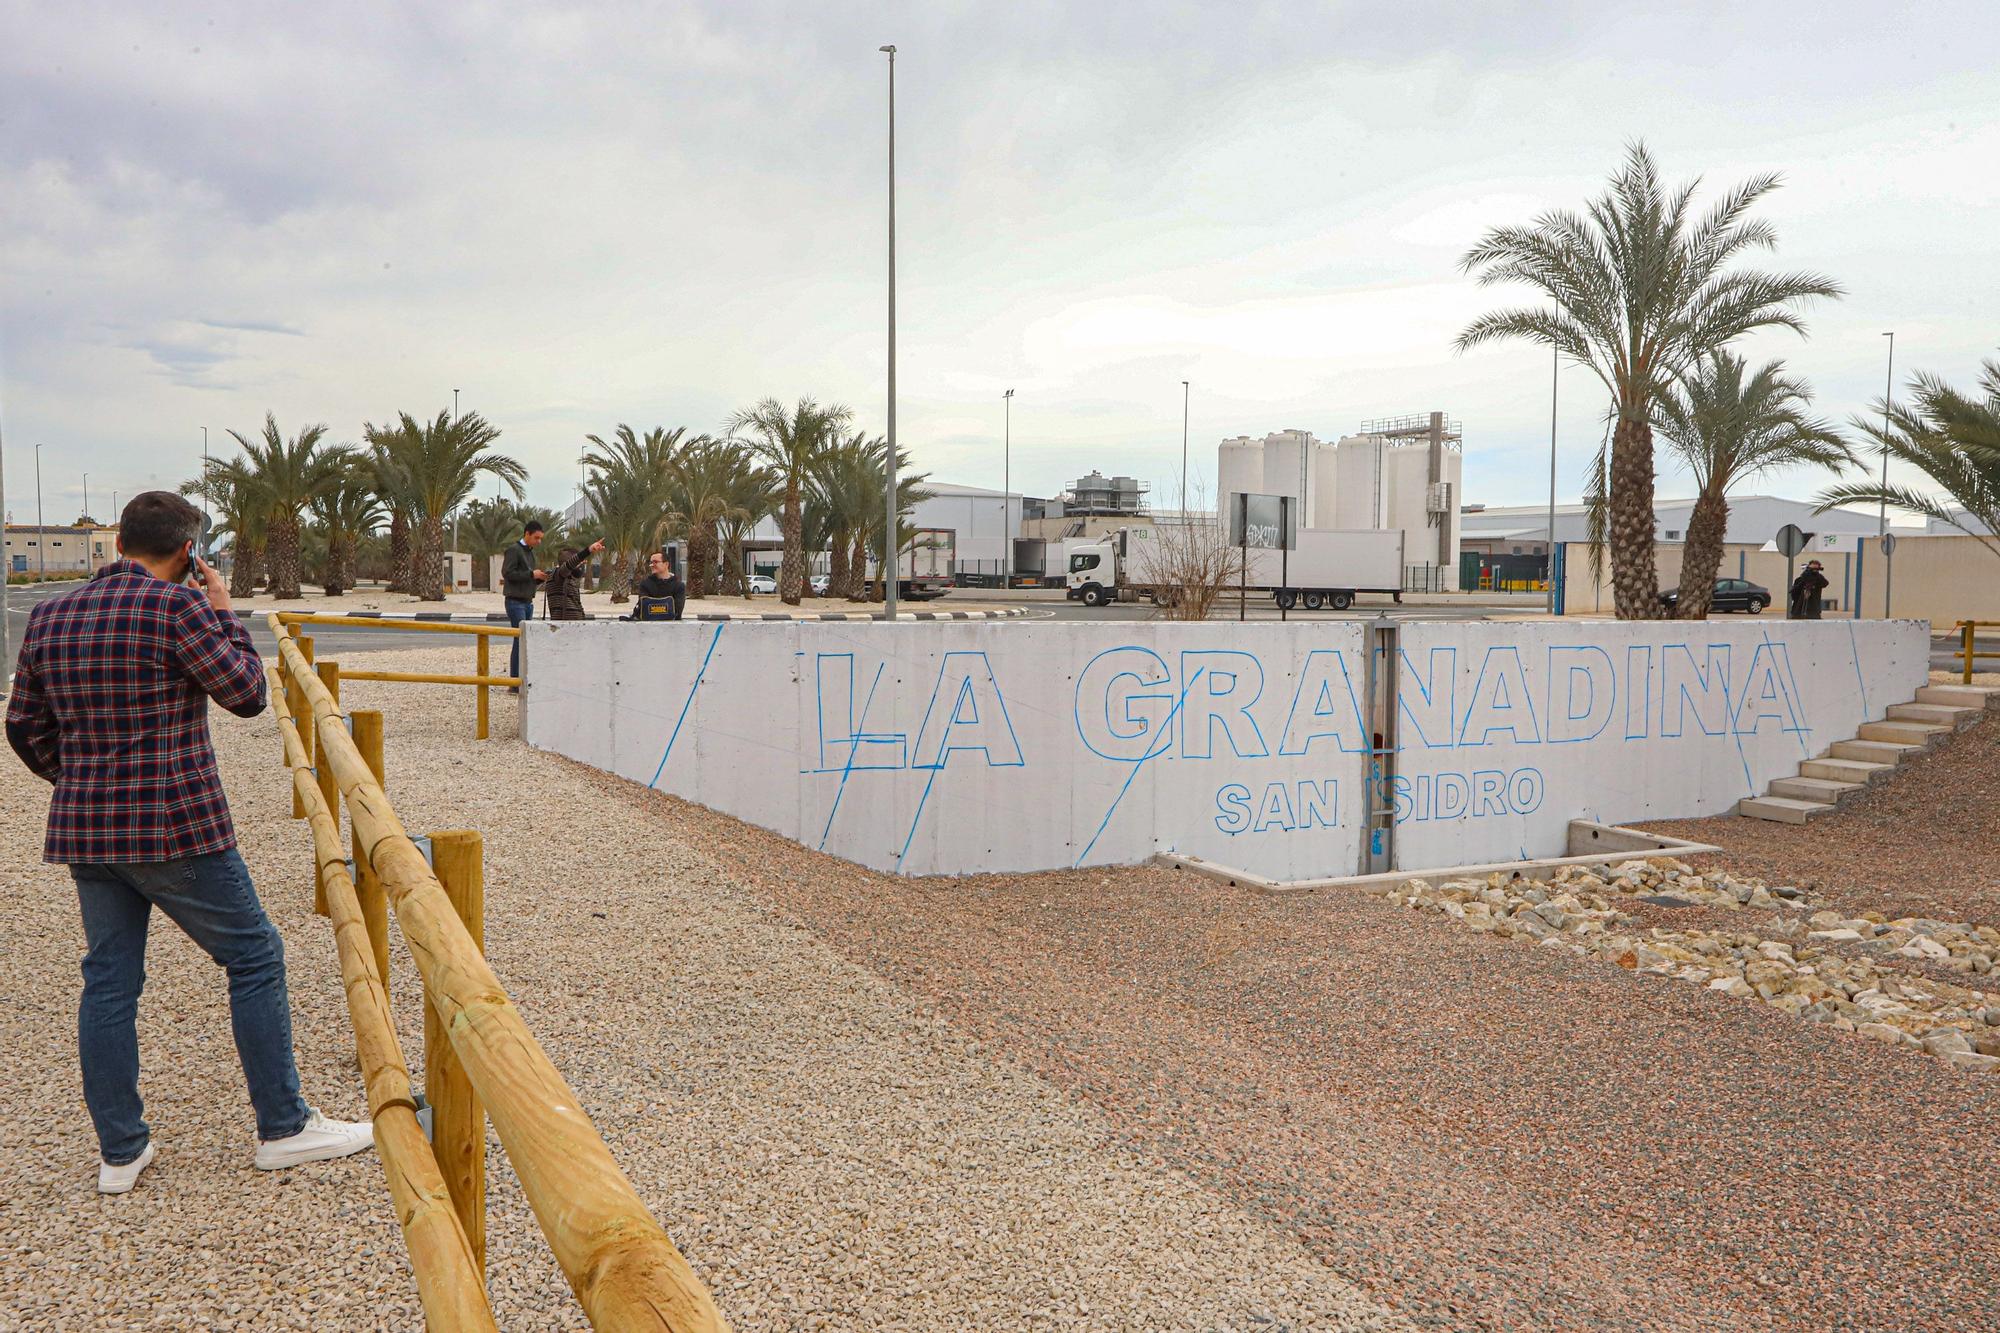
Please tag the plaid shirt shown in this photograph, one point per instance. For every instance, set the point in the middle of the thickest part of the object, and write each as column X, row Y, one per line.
column 111, row 704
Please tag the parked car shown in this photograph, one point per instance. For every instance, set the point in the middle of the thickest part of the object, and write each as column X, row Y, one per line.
column 763, row 583
column 1729, row 595
column 820, row 583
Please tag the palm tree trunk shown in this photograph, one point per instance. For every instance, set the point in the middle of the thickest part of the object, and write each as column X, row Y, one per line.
column 429, row 570
column 1635, row 580
column 736, row 583
column 1701, row 557
column 836, row 567
column 243, row 574
column 399, row 552
column 792, row 573
column 334, row 573
column 284, row 556
column 701, row 561
column 856, row 588
column 620, row 585
column 350, row 564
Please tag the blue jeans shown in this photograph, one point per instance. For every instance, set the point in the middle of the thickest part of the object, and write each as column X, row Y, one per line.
column 517, row 611
column 211, row 898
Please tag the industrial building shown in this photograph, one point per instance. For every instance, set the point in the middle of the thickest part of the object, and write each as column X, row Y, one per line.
column 1753, row 520
column 1396, row 473
column 69, row 549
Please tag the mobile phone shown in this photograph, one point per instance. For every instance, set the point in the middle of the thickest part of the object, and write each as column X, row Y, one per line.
column 197, row 552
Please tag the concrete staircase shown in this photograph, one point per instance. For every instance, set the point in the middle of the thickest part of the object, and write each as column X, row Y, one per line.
column 1823, row 784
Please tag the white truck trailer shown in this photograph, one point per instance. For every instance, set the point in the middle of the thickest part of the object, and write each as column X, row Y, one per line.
column 1326, row 568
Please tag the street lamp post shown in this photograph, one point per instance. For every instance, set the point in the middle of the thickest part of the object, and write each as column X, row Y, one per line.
column 86, row 495
column 204, row 472
column 1888, row 391
column 1007, row 493
column 41, row 528
column 1184, row 439
column 1549, row 547
column 6, row 571
column 889, row 468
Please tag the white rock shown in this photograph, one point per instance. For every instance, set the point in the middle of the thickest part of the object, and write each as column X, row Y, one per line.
column 1836, row 936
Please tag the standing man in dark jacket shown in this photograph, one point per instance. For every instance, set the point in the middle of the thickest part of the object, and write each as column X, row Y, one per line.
column 518, row 577
column 564, row 584
column 1806, row 589
column 111, row 705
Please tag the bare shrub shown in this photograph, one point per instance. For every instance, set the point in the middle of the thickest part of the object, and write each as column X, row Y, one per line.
column 1190, row 565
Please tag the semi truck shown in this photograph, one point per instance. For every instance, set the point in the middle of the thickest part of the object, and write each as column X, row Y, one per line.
column 924, row 567
column 1326, row 568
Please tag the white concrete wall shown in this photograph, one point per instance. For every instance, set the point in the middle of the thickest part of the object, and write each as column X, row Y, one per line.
column 1530, row 725
column 966, row 747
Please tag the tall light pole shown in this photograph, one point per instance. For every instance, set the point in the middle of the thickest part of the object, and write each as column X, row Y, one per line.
column 6, row 569
column 1549, row 547
column 889, row 468
column 454, row 404
column 1184, row 439
column 41, row 528
column 1888, row 391
column 1007, row 493
column 86, row 495
column 204, row 472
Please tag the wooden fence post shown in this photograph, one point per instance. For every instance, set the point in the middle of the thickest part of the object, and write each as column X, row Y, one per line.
column 458, row 1120
column 329, row 787
column 481, row 672
column 367, row 885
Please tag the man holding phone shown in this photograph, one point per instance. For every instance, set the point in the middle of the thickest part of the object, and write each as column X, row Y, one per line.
column 110, row 704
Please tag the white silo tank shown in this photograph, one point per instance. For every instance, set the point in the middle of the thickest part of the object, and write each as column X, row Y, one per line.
column 1325, row 484
column 1239, row 470
column 1358, row 482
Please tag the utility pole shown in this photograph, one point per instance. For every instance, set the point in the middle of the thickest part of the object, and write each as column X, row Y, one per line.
column 6, row 572
column 1184, row 452
column 204, row 472
column 1007, row 494
column 41, row 528
column 1888, row 391
column 889, row 533
column 1549, row 548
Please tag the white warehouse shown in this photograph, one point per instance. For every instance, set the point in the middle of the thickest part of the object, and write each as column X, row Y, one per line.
column 1403, row 473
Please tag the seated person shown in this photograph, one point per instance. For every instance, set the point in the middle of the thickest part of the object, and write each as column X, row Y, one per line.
column 662, row 583
column 564, row 584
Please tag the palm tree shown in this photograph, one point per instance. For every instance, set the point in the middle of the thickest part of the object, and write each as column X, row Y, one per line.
column 386, row 463
column 628, row 490
column 235, row 495
column 345, row 515
column 698, row 498
column 291, row 474
column 440, row 462
column 869, row 527
column 1642, row 291
column 1727, row 428
column 1950, row 437
column 790, row 440
column 749, row 494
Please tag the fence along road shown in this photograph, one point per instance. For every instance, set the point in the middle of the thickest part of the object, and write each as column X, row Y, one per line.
column 625, row 1271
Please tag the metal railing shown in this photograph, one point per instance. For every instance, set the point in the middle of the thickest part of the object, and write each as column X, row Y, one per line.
column 481, row 1060
column 482, row 677
column 1966, row 651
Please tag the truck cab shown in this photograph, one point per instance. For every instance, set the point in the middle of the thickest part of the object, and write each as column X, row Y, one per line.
column 1093, row 576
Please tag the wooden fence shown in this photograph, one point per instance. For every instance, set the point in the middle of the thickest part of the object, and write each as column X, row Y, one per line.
column 625, row 1272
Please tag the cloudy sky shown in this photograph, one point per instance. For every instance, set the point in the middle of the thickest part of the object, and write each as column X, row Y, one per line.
column 657, row 214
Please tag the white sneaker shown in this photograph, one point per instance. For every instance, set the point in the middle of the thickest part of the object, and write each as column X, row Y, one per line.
column 321, row 1140
column 120, row 1179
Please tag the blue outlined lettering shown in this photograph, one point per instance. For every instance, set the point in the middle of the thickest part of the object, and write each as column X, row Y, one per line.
column 974, row 715
column 1235, row 682
column 1583, row 691
column 1433, row 718
column 1123, row 705
column 1327, row 691
column 1683, row 683
column 1500, row 701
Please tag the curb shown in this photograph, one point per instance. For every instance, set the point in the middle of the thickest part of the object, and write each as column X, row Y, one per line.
column 497, row 618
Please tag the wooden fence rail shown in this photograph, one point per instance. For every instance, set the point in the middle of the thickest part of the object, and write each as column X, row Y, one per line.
column 625, row 1271
column 448, row 1281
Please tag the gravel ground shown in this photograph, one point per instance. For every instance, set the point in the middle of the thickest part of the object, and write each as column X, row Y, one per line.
column 1922, row 844
column 1484, row 1135
column 828, row 1150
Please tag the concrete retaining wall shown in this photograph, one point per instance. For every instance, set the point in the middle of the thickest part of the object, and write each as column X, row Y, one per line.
column 966, row 747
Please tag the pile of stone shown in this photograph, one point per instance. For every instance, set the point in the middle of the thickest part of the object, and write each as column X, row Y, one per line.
column 1819, row 968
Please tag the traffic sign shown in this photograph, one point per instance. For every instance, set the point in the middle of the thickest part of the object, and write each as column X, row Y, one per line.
column 1792, row 540
column 1888, row 543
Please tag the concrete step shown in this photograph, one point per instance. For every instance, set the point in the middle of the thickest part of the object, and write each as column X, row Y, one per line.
column 1871, row 752
column 1802, row 788
column 1843, row 770
column 1942, row 715
column 1901, row 733
column 1780, row 809
column 1958, row 696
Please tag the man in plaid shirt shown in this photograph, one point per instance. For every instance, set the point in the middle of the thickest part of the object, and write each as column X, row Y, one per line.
column 110, row 704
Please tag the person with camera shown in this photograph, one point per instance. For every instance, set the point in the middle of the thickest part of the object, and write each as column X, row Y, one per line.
column 518, row 577
column 110, row 705
column 564, row 584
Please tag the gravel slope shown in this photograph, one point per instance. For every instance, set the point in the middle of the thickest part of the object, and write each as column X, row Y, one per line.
column 829, row 1152
column 1482, row 1133
column 1921, row 843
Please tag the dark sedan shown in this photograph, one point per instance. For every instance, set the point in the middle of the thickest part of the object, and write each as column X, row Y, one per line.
column 1730, row 595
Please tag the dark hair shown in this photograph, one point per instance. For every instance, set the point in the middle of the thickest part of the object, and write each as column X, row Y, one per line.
column 157, row 524
column 534, row 525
